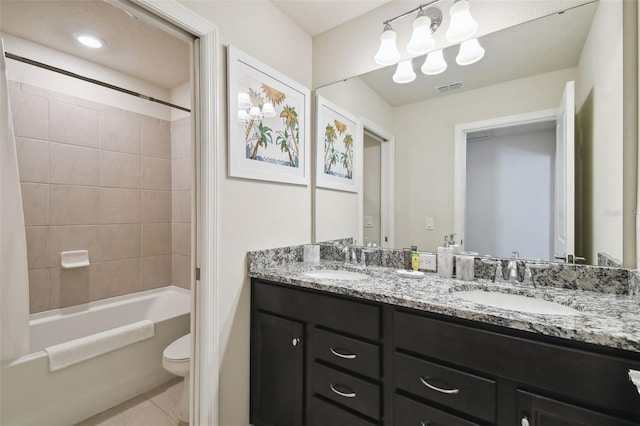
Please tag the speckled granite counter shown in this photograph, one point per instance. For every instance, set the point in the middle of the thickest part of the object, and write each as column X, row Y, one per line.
column 605, row 319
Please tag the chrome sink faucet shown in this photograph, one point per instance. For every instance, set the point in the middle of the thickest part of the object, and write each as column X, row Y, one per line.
column 350, row 257
column 512, row 267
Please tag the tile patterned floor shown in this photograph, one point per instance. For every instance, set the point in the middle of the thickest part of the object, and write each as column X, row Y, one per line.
column 158, row 407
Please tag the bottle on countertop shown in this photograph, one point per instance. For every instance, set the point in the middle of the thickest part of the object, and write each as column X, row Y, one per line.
column 445, row 259
column 457, row 248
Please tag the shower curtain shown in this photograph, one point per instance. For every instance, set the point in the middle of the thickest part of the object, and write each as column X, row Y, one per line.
column 14, row 275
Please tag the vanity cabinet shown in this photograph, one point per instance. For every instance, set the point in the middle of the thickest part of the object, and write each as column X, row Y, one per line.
column 320, row 359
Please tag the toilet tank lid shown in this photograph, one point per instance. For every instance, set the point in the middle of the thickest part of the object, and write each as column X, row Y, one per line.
column 179, row 349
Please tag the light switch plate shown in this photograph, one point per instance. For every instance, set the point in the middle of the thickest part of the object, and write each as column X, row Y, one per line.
column 427, row 262
column 367, row 221
column 428, row 223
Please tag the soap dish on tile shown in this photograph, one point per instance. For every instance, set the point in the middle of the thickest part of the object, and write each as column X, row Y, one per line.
column 410, row 274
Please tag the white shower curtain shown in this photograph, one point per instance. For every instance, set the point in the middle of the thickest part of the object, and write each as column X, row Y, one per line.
column 14, row 275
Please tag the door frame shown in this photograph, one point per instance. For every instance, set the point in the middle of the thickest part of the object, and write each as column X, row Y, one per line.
column 387, row 183
column 460, row 154
column 205, row 334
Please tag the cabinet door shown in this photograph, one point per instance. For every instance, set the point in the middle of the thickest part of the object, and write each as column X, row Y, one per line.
column 541, row 411
column 276, row 371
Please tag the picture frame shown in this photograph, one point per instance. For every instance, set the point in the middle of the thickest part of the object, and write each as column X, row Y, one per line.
column 338, row 145
column 268, row 122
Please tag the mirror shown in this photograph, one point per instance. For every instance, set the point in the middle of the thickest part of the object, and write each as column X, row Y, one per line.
column 525, row 70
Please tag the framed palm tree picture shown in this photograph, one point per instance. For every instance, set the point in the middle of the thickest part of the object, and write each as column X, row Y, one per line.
column 268, row 122
column 338, row 143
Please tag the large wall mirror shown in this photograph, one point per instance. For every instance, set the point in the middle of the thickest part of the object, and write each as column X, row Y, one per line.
column 524, row 73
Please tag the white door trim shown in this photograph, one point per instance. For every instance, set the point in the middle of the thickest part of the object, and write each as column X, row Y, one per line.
column 460, row 154
column 204, row 323
column 387, row 185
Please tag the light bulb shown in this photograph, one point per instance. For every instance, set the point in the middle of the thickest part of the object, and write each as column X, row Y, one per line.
column 434, row 63
column 404, row 73
column 421, row 39
column 89, row 40
column 254, row 113
column 268, row 110
column 243, row 100
column 243, row 116
column 462, row 25
column 388, row 53
column 470, row 52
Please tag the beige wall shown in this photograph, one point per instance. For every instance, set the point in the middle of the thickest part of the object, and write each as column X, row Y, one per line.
column 424, row 153
column 253, row 214
column 99, row 178
column 599, row 137
column 336, row 212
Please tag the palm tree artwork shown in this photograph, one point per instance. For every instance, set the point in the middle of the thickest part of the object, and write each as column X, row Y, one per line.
column 261, row 132
column 335, row 138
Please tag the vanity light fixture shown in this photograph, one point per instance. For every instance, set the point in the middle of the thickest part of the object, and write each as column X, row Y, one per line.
column 404, row 73
column 268, row 110
column 89, row 40
column 426, row 23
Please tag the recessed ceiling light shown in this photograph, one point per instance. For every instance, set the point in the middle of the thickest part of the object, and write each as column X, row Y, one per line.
column 89, row 40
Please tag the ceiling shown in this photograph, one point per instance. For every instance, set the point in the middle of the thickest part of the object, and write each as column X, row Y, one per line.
column 543, row 45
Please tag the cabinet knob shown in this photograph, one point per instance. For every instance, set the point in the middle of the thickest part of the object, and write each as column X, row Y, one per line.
column 524, row 421
column 295, row 341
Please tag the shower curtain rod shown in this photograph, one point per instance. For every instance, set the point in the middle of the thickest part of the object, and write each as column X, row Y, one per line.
column 91, row 80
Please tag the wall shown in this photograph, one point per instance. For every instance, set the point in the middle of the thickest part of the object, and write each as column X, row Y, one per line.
column 93, row 177
column 253, row 214
column 336, row 212
column 424, row 153
column 599, row 136
column 509, row 183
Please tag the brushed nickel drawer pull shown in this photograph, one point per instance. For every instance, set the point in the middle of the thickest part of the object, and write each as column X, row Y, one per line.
column 426, row 423
column 344, row 394
column 437, row 389
column 342, row 355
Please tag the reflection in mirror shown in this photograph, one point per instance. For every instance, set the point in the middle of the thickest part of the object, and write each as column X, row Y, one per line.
column 525, row 70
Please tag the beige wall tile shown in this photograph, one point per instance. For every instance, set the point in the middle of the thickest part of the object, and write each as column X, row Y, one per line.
column 35, row 202
column 119, row 170
column 119, row 242
column 30, row 116
column 182, row 172
column 46, row 93
column 73, row 165
column 156, row 173
column 156, row 272
column 119, row 133
column 120, row 205
column 181, row 138
column 181, row 238
column 85, row 103
column 116, row 278
column 68, row 238
column 33, row 160
column 181, row 271
column 37, row 247
column 73, row 205
column 73, row 124
column 69, row 287
column 185, row 207
column 156, row 206
column 156, row 139
column 156, row 239
column 38, row 290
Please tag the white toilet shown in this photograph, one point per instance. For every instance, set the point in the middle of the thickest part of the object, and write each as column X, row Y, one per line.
column 175, row 359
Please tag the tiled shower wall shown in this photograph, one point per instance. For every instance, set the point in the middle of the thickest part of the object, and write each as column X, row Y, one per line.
column 98, row 178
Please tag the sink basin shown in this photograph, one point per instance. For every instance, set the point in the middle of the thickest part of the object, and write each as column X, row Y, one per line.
column 337, row 274
column 516, row 302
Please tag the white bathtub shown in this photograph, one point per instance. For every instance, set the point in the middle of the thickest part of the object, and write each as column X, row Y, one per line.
column 31, row 395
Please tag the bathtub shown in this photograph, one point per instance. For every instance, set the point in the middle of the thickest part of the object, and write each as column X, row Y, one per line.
column 31, row 395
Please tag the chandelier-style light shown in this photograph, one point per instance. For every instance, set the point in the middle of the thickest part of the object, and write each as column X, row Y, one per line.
column 462, row 27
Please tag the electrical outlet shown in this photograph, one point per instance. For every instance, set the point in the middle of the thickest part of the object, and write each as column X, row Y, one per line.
column 428, row 223
column 427, row 262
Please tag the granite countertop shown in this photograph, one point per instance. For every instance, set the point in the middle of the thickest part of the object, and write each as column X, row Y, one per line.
column 604, row 319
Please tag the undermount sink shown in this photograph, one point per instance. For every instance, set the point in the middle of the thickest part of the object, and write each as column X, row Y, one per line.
column 337, row 274
column 516, row 302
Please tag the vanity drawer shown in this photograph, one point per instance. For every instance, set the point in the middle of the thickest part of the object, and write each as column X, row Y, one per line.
column 410, row 412
column 352, row 354
column 347, row 390
column 333, row 312
column 461, row 391
column 322, row 413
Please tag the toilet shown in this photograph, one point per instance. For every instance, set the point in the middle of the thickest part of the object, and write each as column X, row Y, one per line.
column 175, row 359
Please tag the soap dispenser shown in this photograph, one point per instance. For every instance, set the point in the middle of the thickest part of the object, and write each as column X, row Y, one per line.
column 457, row 248
column 445, row 259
